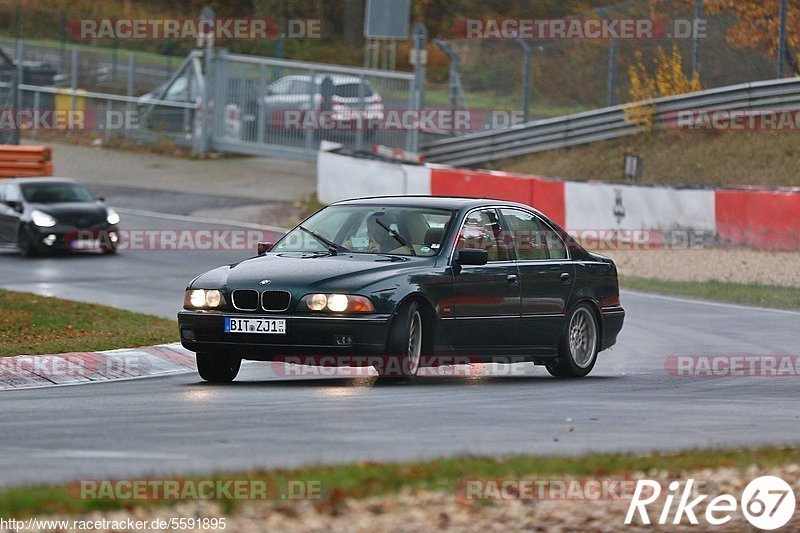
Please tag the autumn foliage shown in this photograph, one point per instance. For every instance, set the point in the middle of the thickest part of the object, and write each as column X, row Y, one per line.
column 668, row 79
column 756, row 23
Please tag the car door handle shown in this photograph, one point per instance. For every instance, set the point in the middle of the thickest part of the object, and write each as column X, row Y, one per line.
column 565, row 277
column 512, row 279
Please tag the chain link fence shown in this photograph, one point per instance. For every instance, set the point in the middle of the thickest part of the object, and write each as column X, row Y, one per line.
column 566, row 76
column 574, row 75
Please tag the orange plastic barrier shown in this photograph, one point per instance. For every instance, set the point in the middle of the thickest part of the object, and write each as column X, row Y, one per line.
column 25, row 161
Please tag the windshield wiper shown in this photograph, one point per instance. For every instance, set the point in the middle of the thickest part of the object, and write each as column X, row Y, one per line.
column 393, row 258
column 332, row 247
column 402, row 240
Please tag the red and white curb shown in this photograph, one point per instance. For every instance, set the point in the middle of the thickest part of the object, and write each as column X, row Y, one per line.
column 31, row 371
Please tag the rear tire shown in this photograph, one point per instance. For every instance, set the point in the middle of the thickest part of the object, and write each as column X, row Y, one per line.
column 578, row 346
column 404, row 345
column 216, row 368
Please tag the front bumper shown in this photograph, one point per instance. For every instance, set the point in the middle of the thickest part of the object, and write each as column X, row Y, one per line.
column 62, row 237
column 203, row 331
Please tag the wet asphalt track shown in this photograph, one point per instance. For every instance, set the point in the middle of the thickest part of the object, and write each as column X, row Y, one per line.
column 177, row 423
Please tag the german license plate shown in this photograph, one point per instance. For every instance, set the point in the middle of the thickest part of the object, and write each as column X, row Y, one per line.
column 85, row 244
column 266, row 326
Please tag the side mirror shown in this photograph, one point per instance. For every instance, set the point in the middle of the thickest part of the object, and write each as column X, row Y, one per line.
column 101, row 198
column 264, row 247
column 472, row 256
column 16, row 206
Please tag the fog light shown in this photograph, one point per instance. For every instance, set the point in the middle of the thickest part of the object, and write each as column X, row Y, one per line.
column 344, row 340
column 113, row 237
column 187, row 334
column 49, row 240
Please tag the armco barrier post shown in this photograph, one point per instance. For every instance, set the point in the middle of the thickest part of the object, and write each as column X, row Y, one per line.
column 73, row 77
column 131, row 69
column 16, row 93
column 420, row 38
column 206, row 92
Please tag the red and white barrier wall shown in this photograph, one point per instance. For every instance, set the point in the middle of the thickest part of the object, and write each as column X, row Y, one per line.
column 340, row 177
column 753, row 217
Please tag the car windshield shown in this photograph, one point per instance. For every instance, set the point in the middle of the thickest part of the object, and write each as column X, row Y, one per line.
column 406, row 231
column 352, row 90
column 53, row 193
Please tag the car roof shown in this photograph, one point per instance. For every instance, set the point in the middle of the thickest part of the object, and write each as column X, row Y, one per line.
column 441, row 202
column 44, row 179
column 337, row 79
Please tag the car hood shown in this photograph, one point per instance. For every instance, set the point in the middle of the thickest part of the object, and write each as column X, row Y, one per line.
column 71, row 212
column 307, row 272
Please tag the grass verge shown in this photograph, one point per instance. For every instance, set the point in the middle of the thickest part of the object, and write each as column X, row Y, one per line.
column 359, row 480
column 32, row 324
column 720, row 291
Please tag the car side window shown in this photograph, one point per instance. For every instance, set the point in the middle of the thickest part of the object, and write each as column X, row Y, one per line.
column 481, row 230
column 13, row 194
column 177, row 91
column 533, row 239
column 281, row 87
column 302, row 87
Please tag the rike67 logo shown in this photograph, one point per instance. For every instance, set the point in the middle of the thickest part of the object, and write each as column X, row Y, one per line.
column 767, row 502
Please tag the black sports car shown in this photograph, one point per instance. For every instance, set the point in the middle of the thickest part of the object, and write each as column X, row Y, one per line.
column 49, row 214
column 409, row 281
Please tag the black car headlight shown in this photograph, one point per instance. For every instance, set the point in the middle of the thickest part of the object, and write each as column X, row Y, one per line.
column 42, row 219
column 112, row 217
column 337, row 303
column 203, row 299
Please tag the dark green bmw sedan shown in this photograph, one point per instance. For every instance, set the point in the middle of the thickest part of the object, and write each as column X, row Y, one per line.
column 403, row 282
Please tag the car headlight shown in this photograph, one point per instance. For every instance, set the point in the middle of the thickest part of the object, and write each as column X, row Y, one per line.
column 112, row 217
column 43, row 220
column 337, row 303
column 202, row 299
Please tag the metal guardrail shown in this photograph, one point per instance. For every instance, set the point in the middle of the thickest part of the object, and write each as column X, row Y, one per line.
column 606, row 123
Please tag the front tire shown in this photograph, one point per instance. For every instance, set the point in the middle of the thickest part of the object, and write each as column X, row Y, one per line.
column 578, row 346
column 25, row 245
column 216, row 368
column 404, row 345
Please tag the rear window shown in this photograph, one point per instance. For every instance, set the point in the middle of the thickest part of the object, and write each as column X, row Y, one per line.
column 350, row 90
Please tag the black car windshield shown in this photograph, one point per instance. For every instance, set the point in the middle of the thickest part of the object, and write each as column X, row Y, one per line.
column 54, row 193
column 407, row 231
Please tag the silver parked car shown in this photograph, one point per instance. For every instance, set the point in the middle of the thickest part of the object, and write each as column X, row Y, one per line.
column 337, row 102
